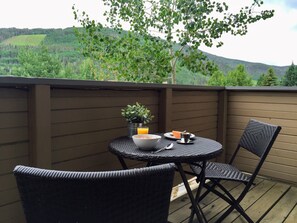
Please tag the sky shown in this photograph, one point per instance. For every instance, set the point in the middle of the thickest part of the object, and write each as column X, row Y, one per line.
column 273, row 41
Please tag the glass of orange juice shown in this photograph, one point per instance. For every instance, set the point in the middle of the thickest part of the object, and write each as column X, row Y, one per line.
column 143, row 130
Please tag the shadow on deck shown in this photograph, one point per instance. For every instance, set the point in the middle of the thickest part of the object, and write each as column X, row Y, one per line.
column 267, row 201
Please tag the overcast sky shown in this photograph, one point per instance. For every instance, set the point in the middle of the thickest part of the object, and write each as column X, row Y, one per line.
column 273, row 41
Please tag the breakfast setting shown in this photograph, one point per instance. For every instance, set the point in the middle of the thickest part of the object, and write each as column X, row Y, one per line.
column 148, row 142
column 176, row 147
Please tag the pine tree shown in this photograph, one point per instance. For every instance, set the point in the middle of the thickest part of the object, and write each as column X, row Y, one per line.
column 290, row 78
column 270, row 78
column 260, row 80
column 217, row 79
column 239, row 77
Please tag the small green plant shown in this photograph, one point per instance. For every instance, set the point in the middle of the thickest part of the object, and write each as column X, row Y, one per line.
column 137, row 113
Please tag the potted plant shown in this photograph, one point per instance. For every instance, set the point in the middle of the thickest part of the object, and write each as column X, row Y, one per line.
column 136, row 115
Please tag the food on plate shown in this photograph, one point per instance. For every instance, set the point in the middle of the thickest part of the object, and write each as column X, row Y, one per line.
column 176, row 134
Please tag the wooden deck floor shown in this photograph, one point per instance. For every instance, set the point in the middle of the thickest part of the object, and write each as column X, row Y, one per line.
column 268, row 201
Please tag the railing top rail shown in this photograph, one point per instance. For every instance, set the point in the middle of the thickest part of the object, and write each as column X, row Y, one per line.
column 89, row 84
column 268, row 88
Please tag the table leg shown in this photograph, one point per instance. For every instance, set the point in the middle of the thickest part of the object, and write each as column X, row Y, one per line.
column 195, row 207
column 149, row 164
column 125, row 167
column 201, row 185
column 123, row 163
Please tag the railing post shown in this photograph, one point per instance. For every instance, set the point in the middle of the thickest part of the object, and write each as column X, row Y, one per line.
column 165, row 110
column 222, row 122
column 40, row 154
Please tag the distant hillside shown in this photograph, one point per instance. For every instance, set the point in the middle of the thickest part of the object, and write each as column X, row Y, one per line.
column 255, row 69
column 64, row 44
column 61, row 42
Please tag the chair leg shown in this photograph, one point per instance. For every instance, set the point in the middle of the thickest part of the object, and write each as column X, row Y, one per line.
column 225, row 214
column 234, row 203
column 201, row 197
column 191, row 216
column 242, row 212
column 230, row 200
column 230, row 209
column 197, row 200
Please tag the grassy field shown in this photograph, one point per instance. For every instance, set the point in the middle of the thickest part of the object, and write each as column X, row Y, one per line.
column 24, row 40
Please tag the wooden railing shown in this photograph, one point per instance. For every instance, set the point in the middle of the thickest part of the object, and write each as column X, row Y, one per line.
column 67, row 124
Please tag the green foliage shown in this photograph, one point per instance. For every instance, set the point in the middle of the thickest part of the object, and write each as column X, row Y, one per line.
column 187, row 22
column 62, row 38
column 217, row 79
column 197, row 62
column 90, row 70
column 69, row 71
column 238, row 77
column 235, row 77
column 290, row 78
column 260, row 80
column 185, row 76
column 125, row 57
column 38, row 63
column 137, row 113
column 268, row 79
column 64, row 44
column 131, row 59
column 25, row 40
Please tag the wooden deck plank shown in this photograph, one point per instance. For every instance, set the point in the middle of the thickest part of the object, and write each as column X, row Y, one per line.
column 254, row 194
column 213, row 210
column 282, row 209
column 276, row 201
column 183, row 214
column 264, row 203
column 184, row 200
column 292, row 216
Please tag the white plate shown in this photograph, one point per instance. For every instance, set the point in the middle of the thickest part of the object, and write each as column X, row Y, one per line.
column 169, row 135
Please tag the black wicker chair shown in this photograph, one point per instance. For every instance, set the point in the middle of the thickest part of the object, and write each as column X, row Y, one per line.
column 132, row 196
column 257, row 138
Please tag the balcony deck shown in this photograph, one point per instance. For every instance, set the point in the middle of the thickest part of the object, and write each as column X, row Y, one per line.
column 68, row 124
column 268, row 201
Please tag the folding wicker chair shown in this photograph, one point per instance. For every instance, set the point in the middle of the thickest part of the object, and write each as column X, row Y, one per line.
column 257, row 138
column 135, row 195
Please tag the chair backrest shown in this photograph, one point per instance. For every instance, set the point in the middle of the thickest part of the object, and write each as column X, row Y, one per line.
column 258, row 137
column 135, row 195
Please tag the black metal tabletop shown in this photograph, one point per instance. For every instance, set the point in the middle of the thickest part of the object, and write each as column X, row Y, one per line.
column 202, row 149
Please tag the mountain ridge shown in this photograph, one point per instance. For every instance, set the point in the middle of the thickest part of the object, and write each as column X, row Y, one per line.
column 254, row 68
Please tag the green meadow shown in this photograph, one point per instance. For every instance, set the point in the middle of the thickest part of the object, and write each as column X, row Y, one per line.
column 25, row 40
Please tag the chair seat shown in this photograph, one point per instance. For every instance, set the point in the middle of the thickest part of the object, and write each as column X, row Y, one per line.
column 221, row 171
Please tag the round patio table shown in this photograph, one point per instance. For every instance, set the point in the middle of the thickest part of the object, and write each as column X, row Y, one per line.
column 201, row 150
